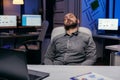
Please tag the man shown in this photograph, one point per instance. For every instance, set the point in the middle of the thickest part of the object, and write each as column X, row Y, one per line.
column 72, row 48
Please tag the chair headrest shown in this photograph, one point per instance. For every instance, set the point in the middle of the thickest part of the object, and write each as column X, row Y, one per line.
column 60, row 30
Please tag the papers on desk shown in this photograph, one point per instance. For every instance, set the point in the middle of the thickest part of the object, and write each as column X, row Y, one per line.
column 90, row 76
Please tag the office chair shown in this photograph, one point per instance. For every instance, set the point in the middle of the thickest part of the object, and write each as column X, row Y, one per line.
column 60, row 30
column 33, row 47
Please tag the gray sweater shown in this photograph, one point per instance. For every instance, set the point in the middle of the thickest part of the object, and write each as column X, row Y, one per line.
column 77, row 49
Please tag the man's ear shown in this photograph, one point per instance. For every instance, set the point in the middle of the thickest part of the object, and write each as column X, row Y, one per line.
column 78, row 21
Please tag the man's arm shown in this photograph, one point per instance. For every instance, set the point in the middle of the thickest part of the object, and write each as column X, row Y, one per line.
column 90, row 52
column 49, row 56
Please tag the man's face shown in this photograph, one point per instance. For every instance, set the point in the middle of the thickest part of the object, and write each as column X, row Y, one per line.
column 70, row 19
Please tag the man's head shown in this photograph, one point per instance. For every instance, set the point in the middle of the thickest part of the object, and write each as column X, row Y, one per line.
column 70, row 21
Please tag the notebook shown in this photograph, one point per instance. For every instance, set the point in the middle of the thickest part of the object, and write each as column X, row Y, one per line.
column 90, row 76
column 13, row 66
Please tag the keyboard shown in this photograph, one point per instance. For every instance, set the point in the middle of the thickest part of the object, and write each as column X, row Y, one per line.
column 37, row 75
column 4, row 34
column 34, row 77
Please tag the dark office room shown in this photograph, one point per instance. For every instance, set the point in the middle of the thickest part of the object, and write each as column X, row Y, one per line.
column 59, row 39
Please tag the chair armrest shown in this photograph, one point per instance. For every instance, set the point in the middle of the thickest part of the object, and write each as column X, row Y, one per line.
column 31, row 41
column 28, row 42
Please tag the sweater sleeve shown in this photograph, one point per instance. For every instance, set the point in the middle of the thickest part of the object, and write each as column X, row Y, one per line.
column 90, row 52
column 49, row 56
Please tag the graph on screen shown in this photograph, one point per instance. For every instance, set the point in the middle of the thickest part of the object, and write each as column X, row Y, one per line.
column 8, row 20
column 107, row 24
column 31, row 20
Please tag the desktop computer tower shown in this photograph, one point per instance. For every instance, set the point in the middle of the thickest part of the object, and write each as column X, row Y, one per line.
column 115, row 59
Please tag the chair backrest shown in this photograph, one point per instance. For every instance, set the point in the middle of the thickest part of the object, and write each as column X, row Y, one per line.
column 43, row 31
column 60, row 30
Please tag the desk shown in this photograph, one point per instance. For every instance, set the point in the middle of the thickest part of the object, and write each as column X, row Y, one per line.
column 115, row 54
column 16, row 36
column 113, row 47
column 113, row 37
column 65, row 72
column 102, row 41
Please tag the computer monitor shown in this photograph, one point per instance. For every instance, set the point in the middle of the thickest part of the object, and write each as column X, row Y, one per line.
column 13, row 66
column 107, row 24
column 7, row 21
column 31, row 20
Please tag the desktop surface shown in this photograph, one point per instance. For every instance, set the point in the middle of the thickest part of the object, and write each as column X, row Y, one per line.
column 15, row 35
column 58, row 72
column 114, row 48
column 107, row 36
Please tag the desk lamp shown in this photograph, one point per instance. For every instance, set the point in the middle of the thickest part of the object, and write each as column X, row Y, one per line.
column 18, row 2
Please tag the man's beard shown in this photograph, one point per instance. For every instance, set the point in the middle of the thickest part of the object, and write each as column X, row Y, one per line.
column 71, row 26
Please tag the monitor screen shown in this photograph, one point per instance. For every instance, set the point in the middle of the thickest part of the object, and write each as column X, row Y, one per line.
column 31, row 20
column 8, row 20
column 107, row 24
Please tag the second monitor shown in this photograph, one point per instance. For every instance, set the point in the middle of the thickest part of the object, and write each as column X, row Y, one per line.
column 107, row 24
column 31, row 20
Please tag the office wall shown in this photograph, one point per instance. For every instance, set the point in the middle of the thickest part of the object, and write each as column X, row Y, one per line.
column 30, row 7
column 59, row 11
column 1, row 6
column 64, row 6
column 88, row 11
column 91, row 10
column 10, row 9
column 113, row 9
